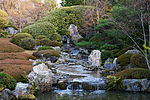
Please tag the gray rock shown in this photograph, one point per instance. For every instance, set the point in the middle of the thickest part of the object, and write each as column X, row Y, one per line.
column 11, row 30
column 136, row 85
column 7, row 95
column 53, row 59
column 134, row 51
column 74, row 34
column 111, row 65
column 22, row 89
column 95, row 58
column 42, row 76
column 57, row 48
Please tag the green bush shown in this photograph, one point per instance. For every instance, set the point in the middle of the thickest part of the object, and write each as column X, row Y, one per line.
column 18, row 38
column 106, row 55
column 124, row 59
column 85, row 44
column 83, row 39
column 27, row 43
column 4, row 33
column 7, row 81
column 104, row 24
column 138, row 61
column 108, row 47
column 73, row 2
column 38, row 29
column 40, row 37
column 55, row 43
column 3, row 19
column 123, row 51
column 114, row 83
column 45, row 48
column 55, row 37
column 134, row 73
column 45, row 42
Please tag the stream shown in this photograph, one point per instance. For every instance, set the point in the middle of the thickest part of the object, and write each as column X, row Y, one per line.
column 83, row 84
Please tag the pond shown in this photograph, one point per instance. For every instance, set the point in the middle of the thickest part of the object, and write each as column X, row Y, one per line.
column 95, row 95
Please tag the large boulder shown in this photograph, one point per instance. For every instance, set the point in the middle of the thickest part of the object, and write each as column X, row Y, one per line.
column 136, row 85
column 41, row 76
column 94, row 58
column 74, row 34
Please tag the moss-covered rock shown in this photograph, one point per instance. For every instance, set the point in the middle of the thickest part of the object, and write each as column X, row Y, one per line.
column 114, row 83
column 134, row 73
column 27, row 97
column 46, row 53
column 62, row 85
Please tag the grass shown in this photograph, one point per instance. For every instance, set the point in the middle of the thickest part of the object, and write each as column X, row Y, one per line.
column 14, row 60
column 7, row 47
column 17, row 70
column 84, row 44
column 22, row 56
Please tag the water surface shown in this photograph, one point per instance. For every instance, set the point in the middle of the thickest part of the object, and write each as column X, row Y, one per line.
column 96, row 95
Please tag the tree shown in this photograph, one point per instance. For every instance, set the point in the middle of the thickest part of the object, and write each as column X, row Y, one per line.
column 134, row 20
column 91, row 17
column 26, row 12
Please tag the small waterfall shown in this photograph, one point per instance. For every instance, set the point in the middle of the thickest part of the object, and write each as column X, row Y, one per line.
column 43, row 1
column 59, row 3
column 74, row 86
column 68, row 40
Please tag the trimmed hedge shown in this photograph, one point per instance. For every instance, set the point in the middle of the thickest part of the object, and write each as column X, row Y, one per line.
column 124, row 59
column 45, row 48
column 18, row 38
column 138, row 61
column 133, row 73
column 43, row 28
column 7, row 81
column 28, row 43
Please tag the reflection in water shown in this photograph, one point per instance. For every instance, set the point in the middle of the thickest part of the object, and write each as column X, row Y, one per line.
column 96, row 95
